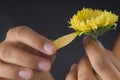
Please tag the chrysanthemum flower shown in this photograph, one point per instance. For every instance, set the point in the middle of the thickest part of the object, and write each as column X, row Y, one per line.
column 93, row 22
column 89, row 22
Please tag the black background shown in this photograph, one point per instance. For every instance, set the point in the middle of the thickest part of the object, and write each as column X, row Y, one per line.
column 50, row 18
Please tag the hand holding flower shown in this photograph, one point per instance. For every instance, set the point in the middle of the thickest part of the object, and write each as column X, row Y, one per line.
column 99, row 64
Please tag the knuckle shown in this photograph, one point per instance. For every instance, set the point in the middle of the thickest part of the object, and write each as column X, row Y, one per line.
column 100, row 64
column 9, row 32
column 5, row 51
column 17, row 31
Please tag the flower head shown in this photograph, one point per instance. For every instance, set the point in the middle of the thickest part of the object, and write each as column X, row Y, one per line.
column 89, row 22
column 93, row 22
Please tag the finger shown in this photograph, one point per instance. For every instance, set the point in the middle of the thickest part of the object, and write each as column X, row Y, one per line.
column 29, row 49
column 39, row 75
column 72, row 75
column 85, row 71
column 99, row 60
column 51, row 58
column 11, row 54
column 31, row 38
column 114, row 59
column 14, row 72
column 116, row 48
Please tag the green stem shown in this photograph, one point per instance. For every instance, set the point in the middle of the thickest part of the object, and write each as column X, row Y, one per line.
column 94, row 37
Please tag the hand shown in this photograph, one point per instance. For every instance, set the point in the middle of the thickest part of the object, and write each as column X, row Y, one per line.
column 24, row 51
column 99, row 64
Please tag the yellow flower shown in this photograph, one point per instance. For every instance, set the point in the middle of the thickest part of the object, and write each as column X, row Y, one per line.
column 93, row 22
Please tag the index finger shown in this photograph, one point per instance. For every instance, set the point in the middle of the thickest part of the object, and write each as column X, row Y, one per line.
column 31, row 38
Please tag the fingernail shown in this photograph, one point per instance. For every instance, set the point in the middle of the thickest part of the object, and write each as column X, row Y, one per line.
column 48, row 48
column 86, row 40
column 73, row 67
column 45, row 66
column 24, row 74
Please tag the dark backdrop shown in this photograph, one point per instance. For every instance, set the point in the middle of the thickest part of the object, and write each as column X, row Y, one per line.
column 50, row 18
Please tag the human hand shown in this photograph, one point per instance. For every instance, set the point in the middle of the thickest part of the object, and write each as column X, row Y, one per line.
column 104, row 62
column 24, row 51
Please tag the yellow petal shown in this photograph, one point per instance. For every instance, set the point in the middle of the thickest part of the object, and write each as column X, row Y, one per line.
column 65, row 40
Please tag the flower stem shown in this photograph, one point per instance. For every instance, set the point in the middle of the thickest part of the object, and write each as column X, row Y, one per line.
column 94, row 37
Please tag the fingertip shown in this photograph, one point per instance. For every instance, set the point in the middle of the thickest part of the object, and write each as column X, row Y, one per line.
column 90, row 43
column 72, row 75
column 54, row 49
column 44, row 65
column 87, row 40
column 25, row 73
column 49, row 48
column 73, row 67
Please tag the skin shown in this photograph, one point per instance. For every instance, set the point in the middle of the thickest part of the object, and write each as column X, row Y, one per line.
column 104, row 62
column 116, row 48
column 23, row 52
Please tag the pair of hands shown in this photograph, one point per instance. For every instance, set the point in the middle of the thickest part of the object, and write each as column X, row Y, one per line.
column 24, row 52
